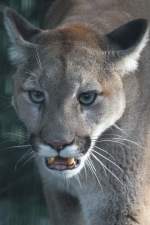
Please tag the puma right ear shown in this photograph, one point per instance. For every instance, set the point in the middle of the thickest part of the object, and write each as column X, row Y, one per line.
column 126, row 45
column 20, row 33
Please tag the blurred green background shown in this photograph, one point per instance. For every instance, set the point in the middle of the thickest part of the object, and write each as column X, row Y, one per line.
column 21, row 195
column 10, row 128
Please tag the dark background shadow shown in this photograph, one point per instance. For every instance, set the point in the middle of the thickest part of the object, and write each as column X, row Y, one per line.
column 21, row 198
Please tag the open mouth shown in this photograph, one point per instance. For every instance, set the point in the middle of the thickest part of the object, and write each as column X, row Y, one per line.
column 60, row 163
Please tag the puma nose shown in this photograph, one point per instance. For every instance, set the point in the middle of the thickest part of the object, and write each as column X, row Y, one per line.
column 59, row 145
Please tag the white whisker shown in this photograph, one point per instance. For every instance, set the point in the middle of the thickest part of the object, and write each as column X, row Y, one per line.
column 118, row 140
column 78, row 179
column 29, row 159
column 114, row 141
column 120, row 129
column 19, row 146
column 93, row 170
column 102, row 164
column 85, row 172
column 21, row 159
column 101, row 149
column 130, row 141
column 15, row 148
column 109, row 160
column 38, row 58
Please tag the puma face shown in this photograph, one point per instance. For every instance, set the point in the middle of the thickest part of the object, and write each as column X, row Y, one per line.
column 68, row 87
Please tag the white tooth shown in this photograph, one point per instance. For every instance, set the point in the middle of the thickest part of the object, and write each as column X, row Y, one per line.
column 50, row 160
column 70, row 161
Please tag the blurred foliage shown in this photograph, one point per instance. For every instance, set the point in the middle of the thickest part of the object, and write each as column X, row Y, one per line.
column 20, row 191
column 10, row 127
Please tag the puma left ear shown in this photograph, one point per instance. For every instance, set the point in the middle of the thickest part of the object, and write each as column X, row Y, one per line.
column 126, row 45
column 21, row 34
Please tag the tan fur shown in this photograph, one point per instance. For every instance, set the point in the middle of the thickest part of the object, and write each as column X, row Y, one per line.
column 79, row 32
column 88, row 51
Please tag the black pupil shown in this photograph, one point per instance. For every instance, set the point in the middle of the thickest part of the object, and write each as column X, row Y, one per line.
column 87, row 98
column 36, row 96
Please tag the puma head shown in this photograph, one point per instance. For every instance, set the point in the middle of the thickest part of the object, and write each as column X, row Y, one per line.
column 68, row 86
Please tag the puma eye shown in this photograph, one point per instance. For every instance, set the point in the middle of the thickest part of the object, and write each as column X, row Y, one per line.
column 36, row 96
column 87, row 98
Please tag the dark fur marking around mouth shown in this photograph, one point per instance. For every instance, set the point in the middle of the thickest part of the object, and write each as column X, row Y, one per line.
column 131, row 217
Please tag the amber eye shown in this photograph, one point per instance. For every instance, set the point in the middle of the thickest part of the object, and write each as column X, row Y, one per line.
column 36, row 96
column 87, row 98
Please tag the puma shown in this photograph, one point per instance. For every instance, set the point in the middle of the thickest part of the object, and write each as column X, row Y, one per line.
column 82, row 89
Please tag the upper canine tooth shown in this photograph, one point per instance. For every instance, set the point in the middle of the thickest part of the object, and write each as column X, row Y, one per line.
column 51, row 160
column 70, row 161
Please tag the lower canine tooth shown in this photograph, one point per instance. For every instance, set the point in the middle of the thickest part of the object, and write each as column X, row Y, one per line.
column 51, row 160
column 70, row 161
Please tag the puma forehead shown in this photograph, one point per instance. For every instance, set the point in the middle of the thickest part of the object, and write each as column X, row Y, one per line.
column 80, row 33
column 72, row 33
